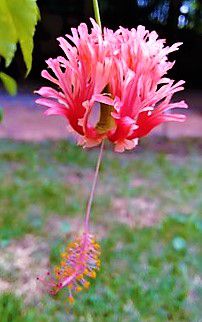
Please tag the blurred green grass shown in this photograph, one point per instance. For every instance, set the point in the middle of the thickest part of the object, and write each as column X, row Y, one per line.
column 147, row 274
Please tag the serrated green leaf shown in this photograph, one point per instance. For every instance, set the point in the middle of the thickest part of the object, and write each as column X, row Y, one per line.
column 9, row 83
column 8, row 36
column 17, row 24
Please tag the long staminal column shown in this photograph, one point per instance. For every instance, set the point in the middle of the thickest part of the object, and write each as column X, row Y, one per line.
column 81, row 258
column 80, row 261
column 90, row 200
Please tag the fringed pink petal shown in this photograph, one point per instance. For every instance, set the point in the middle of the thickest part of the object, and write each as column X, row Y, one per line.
column 124, row 70
column 125, row 127
column 57, row 111
column 121, row 146
column 50, row 103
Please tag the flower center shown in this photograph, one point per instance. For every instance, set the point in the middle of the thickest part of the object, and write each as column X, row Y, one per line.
column 106, row 121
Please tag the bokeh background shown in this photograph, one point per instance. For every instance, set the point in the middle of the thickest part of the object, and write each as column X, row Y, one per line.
column 147, row 214
column 174, row 20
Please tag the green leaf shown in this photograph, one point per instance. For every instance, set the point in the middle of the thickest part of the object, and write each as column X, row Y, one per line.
column 1, row 114
column 17, row 24
column 9, row 83
column 8, row 37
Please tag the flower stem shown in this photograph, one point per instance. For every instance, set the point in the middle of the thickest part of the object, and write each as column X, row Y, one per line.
column 90, row 200
column 97, row 12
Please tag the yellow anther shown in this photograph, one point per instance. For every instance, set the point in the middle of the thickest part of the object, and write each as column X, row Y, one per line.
column 86, row 284
column 57, row 271
column 92, row 274
column 78, row 289
column 86, row 271
column 71, row 299
column 97, row 246
column 64, row 255
column 62, row 263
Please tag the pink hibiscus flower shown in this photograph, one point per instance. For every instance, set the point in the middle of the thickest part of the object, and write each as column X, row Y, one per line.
column 112, row 85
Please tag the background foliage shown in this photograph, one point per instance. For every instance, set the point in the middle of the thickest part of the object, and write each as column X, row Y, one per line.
column 174, row 20
column 17, row 25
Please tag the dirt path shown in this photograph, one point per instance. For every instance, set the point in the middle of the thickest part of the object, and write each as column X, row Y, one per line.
column 24, row 120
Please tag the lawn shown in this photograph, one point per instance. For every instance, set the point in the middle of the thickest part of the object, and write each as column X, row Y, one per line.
column 147, row 217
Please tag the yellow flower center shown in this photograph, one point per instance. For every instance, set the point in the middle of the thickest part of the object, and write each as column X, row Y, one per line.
column 106, row 121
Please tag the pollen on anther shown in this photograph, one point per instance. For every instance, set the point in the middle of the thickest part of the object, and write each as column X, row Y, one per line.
column 79, row 263
column 71, row 299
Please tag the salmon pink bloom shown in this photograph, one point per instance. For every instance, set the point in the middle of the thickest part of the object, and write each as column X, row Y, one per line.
column 112, row 85
column 109, row 85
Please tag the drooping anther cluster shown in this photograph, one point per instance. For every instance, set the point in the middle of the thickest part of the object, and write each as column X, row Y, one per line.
column 79, row 262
